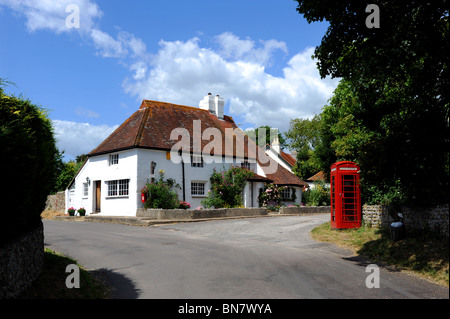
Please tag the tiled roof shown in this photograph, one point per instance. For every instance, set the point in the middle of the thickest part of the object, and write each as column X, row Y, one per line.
column 317, row 177
column 152, row 125
column 283, row 177
column 259, row 178
column 285, row 156
column 288, row 158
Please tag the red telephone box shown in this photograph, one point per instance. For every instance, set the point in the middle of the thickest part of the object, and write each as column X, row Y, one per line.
column 345, row 195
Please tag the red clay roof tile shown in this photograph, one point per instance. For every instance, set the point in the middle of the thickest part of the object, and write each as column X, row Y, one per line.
column 288, row 158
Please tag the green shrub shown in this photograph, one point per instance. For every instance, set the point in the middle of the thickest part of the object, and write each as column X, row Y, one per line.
column 392, row 194
column 28, row 161
column 160, row 194
column 271, row 196
column 226, row 188
column 318, row 196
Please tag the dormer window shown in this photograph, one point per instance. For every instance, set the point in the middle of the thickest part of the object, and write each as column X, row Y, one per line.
column 196, row 161
column 113, row 159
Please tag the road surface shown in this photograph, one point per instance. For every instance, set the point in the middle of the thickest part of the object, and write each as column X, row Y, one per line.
column 253, row 258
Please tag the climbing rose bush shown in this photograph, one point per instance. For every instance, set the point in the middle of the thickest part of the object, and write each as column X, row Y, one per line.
column 226, row 188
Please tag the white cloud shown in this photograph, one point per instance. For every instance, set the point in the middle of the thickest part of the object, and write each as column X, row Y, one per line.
column 107, row 46
column 232, row 47
column 126, row 45
column 52, row 15
column 79, row 138
column 183, row 72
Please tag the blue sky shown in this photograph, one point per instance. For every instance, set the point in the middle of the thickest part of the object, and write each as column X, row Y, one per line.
column 256, row 54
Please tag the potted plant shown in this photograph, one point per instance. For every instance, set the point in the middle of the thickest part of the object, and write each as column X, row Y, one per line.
column 71, row 211
column 184, row 205
column 81, row 211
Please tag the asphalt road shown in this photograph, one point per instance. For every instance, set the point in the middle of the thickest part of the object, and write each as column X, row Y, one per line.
column 270, row 258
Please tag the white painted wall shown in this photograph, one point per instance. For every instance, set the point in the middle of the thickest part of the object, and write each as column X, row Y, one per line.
column 251, row 193
column 97, row 168
column 135, row 165
column 298, row 193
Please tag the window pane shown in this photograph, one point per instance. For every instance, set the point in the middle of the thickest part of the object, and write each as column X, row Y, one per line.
column 197, row 188
column 112, row 188
column 123, row 187
column 196, row 161
column 286, row 193
column 113, row 159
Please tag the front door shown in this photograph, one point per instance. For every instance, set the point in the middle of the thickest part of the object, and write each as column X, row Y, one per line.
column 98, row 196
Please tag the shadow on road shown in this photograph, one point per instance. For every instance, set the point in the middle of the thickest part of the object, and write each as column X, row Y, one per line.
column 120, row 286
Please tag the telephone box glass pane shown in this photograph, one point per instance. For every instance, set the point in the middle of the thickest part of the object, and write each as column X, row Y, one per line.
column 333, row 208
column 349, row 209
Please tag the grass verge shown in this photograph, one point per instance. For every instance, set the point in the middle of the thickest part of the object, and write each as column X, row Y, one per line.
column 420, row 253
column 51, row 284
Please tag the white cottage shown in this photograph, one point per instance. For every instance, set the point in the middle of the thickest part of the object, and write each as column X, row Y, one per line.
column 152, row 139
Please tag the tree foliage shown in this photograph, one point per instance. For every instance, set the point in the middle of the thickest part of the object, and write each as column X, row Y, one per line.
column 29, row 160
column 66, row 171
column 303, row 136
column 318, row 195
column 391, row 111
column 269, row 132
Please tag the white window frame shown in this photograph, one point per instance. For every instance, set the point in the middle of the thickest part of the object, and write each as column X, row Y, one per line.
column 113, row 159
column 197, row 161
column 286, row 191
column 118, row 188
column 85, row 190
column 197, row 187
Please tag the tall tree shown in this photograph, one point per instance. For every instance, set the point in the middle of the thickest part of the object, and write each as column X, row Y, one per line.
column 303, row 137
column 269, row 132
column 398, row 74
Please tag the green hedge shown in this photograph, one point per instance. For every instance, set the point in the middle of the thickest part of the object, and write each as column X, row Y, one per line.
column 28, row 163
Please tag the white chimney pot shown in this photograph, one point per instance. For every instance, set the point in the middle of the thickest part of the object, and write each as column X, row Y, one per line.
column 219, row 105
column 213, row 104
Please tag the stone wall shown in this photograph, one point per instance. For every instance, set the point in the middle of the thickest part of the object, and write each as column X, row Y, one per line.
column 56, row 202
column 305, row 210
column 186, row 214
column 21, row 262
column 434, row 219
column 376, row 215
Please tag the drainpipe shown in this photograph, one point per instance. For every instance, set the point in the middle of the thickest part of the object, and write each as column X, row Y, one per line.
column 251, row 194
column 182, row 172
